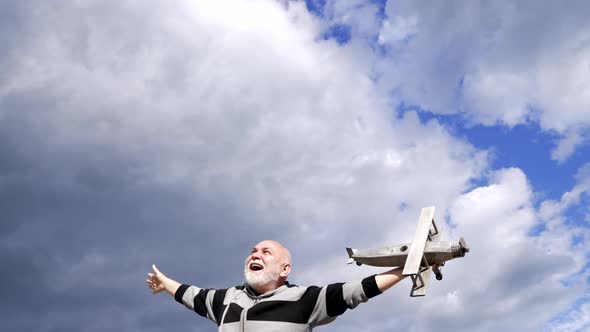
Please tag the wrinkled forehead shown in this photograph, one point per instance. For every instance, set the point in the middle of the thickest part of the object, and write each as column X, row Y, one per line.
column 276, row 248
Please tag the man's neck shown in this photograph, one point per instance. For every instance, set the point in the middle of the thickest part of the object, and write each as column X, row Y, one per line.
column 267, row 289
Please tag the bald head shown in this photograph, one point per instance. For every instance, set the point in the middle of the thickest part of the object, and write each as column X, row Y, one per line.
column 267, row 266
column 281, row 251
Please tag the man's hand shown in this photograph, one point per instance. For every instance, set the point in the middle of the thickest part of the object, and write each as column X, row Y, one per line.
column 158, row 282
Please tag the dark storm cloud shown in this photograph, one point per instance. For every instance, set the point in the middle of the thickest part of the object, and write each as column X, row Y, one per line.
column 82, row 222
column 79, row 233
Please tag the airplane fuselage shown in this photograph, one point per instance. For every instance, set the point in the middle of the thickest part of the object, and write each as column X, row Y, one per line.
column 435, row 253
column 420, row 258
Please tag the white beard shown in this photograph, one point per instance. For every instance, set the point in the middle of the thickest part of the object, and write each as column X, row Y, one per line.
column 257, row 280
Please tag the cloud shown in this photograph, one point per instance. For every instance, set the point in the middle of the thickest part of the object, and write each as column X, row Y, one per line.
column 509, row 275
column 178, row 135
column 135, row 133
column 510, row 279
column 397, row 29
column 554, row 212
column 494, row 64
column 576, row 320
column 567, row 145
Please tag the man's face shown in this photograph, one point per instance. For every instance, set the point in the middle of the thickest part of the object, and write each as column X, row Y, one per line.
column 264, row 265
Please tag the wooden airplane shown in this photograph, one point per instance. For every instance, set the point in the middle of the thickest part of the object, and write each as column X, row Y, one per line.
column 418, row 257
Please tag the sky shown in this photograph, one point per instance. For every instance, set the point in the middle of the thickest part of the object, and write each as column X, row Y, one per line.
column 182, row 133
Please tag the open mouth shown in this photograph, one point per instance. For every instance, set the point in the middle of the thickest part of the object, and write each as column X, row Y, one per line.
column 256, row 267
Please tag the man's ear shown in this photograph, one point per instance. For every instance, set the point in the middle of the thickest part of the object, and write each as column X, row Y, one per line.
column 285, row 270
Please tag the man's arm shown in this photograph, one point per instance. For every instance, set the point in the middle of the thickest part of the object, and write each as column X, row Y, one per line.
column 205, row 302
column 334, row 299
column 158, row 282
column 387, row 279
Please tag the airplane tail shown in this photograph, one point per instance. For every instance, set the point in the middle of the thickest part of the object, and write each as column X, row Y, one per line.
column 351, row 253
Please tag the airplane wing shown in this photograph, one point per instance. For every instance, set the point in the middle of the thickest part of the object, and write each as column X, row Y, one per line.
column 416, row 265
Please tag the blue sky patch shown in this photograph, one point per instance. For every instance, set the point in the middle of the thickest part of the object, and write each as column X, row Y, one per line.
column 316, row 7
column 523, row 146
column 339, row 32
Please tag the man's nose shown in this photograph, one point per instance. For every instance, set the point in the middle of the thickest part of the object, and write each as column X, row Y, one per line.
column 256, row 255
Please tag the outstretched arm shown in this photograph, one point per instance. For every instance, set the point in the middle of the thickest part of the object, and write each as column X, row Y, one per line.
column 334, row 299
column 158, row 282
column 192, row 297
column 387, row 279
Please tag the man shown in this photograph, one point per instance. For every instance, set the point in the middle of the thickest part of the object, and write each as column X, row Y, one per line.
column 267, row 302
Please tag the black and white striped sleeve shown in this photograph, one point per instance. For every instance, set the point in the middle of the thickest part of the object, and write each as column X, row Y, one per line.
column 335, row 299
column 205, row 302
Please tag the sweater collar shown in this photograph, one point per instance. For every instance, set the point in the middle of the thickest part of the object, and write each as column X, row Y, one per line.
column 254, row 294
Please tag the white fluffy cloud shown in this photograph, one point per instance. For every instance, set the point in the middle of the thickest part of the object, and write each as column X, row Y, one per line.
column 232, row 100
column 509, row 280
column 513, row 276
column 576, row 320
column 495, row 63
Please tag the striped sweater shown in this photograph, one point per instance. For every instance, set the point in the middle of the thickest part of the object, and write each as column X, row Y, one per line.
column 289, row 308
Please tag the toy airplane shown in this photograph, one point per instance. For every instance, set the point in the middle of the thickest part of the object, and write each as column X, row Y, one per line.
column 417, row 257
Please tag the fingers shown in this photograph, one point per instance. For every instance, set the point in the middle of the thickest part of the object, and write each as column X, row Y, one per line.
column 154, row 282
column 154, row 286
